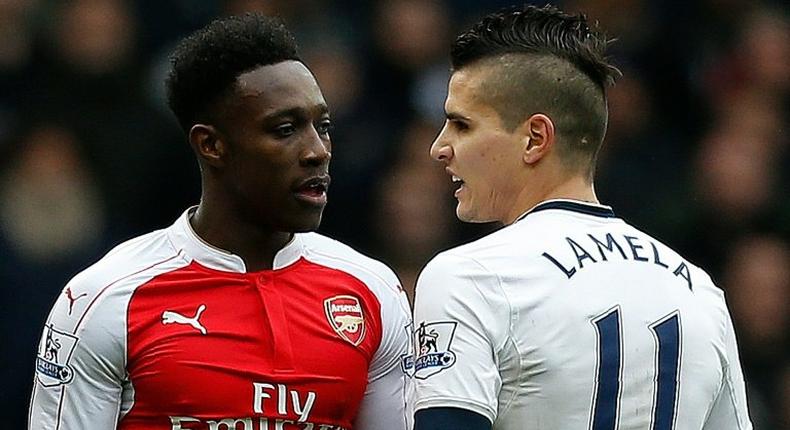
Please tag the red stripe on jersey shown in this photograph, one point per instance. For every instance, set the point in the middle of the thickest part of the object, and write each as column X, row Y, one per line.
column 250, row 348
column 93, row 301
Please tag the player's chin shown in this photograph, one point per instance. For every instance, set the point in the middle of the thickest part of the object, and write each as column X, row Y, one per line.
column 465, row 213
column 306, row 220
column 470, row 214
column 306, row 214
column 305, row 224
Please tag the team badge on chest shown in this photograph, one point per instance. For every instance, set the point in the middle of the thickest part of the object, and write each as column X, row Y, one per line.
column 345, row 316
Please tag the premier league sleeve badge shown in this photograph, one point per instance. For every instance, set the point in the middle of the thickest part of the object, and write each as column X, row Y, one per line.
column 432, row 342
column 54, row 353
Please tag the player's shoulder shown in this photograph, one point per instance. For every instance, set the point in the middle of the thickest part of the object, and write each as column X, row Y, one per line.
column 705, row 287
column 129, row 257
column 337, row 255
column 486, row 253
column 466, row 283
column 701, row 281
column 469, row 268
column 96, row 297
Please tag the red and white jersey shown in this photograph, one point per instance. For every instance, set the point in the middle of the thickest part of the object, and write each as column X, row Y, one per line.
column 167, row 332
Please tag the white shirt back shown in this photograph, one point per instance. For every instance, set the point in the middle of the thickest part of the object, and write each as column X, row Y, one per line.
column 572, row 319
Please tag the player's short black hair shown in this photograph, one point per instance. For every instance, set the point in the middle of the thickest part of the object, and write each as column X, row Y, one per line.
column 543, row 60
column 534, row 30
column 206, row 64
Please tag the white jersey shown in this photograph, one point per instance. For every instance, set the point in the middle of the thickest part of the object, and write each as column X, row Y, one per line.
column 572, row 319
column 167, row 332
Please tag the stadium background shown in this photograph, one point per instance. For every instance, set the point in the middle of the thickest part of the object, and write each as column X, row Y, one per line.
column 696, row 153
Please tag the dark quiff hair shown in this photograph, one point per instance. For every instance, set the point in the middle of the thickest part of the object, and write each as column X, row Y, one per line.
column 206, row 64
column 542, row 60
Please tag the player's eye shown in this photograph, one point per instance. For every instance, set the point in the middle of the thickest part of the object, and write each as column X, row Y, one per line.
column 459, row 125
column 285, row 130
column 324, row 127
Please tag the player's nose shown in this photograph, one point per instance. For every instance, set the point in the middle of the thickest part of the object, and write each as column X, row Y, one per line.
column 441, row 149
column 317, row 151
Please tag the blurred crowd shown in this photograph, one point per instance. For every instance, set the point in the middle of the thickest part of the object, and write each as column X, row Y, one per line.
column 697, row 152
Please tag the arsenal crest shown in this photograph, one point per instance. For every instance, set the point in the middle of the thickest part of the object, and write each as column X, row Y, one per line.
column 345, row 317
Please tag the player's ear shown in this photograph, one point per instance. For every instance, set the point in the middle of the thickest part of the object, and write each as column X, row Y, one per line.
column 208, row 143
column 538, row 132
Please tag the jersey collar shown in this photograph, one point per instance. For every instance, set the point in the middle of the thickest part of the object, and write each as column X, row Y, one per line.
column 184, row 237
column 578, row 206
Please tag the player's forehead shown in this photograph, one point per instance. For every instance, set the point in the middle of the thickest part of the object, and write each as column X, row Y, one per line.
column 466, row 96
column 463, row 89
column 287, row 85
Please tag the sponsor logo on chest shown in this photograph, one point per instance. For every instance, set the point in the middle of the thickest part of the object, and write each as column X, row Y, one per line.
column 283, row 409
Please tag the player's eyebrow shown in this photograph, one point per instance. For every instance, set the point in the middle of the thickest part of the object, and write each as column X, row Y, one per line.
column 321, row 109
column 454, row 116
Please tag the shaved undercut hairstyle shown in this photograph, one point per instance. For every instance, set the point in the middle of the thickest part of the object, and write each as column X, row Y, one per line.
column 206, row 64
column 542, row 60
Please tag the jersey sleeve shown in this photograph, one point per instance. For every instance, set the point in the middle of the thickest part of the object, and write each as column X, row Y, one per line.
column 79, row 364
column 461, row 322
column 729, row 409
column 384, row 403
column 450, row 419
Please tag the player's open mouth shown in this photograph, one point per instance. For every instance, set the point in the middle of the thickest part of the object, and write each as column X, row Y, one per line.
column 460, row 182
column 313, row 190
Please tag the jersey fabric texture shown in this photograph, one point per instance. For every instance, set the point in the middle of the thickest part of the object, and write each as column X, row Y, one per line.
column 572, row 319
column 167, row 332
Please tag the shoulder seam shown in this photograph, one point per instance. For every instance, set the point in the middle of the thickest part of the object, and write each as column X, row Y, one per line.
column 391, row 288
column 115, row 282
column 509, row 334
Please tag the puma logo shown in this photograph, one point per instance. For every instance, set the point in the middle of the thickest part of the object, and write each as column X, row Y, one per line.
column 170, row 317
column 73, row 299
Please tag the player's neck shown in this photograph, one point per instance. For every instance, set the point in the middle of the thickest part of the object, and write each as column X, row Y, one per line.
column 220, row 226
column 575, row 187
